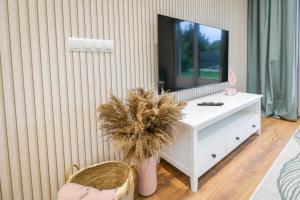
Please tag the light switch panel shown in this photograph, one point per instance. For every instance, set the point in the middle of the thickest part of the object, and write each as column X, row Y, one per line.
column 103, row 45
column 75, row 44
column 90, row 45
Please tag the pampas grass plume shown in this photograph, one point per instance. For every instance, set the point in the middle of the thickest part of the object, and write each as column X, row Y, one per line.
column 142, row 124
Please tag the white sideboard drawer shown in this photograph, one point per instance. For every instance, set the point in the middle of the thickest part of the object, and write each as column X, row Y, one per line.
column 208, row 156
column 235, row 138
column 252, row 125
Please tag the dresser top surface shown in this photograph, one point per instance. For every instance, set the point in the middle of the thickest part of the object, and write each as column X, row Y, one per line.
column 196, row 116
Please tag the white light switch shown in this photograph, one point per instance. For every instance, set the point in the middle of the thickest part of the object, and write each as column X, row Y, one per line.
column 75, row 44
column 92, row 45
column 88, row 45
column 104, row 45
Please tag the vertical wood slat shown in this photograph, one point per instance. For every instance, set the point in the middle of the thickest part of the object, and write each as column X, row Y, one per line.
column 136, row 44
column 63, row 87
column 115, row 72
column 78, row 87
column 9, row 105
column 5, row 181
column 102, row 75
column 39, row 98
column 70, row 86
column 143, row 41
column 18, row 79
column 123, row 29
column 84, row 64
column 132, row 46
column 117, row 52
column 124, row 38
column 90, row 100
column 54, row 80
column 118, row 46
column 30, row 100
column 152, row 44
column 49, row 101
column 107, row 58
column 139, row 40
column 97, row 84
column 91, row 85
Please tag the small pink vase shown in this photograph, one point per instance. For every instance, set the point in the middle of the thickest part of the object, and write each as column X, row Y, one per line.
column 147, row 176
column 230, row 91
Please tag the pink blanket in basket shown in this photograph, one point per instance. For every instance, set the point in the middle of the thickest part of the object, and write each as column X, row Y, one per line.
column 73, row 191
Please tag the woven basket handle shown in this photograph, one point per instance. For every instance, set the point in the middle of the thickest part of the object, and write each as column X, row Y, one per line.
column 69, row 171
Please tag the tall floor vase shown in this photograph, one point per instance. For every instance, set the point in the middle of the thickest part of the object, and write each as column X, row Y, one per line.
column 147, row 176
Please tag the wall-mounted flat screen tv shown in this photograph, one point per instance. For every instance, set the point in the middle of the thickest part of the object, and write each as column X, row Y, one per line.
column 190, row 54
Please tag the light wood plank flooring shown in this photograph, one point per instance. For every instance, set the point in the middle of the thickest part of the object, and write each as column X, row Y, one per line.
column 235, row 177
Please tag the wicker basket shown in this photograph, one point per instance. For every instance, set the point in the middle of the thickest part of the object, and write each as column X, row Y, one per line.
column 107, row 175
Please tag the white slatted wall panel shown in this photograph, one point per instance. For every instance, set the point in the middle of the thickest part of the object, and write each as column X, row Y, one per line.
column 48, row 96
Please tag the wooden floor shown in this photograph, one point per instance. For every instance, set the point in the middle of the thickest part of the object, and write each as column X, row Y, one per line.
column 235, row 177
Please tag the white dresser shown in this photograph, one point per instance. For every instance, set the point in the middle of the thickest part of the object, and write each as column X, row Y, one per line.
column 208, row 133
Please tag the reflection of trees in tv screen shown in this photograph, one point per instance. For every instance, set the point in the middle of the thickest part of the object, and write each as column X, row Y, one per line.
column 186, row 47
column 208, row 50
column 190, row 54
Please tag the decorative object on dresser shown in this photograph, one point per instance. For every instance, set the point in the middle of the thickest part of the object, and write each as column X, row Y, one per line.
column 206, row 134
column 139, row 127
column 231, row 90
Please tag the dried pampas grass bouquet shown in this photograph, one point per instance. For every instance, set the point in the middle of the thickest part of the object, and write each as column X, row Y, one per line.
column 141, row 124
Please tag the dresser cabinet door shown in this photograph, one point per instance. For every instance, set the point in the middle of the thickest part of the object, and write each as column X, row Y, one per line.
column 209, row 155
column 235, row 138
column 252, row 126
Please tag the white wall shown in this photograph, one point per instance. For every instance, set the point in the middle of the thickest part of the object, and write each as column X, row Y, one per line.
column 48, row 96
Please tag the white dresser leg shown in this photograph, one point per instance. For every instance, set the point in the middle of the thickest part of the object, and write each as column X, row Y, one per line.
column 258, row 132
column 258, row 111
column 194, row 184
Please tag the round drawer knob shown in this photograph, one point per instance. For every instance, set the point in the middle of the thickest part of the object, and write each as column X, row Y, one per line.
column 213, row 155
column 237, row 138
column 253, row 126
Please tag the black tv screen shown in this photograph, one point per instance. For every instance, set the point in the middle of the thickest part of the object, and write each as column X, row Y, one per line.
column 190, row 54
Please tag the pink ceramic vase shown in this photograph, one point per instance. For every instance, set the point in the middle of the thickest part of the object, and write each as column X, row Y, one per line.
column 147, row 176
